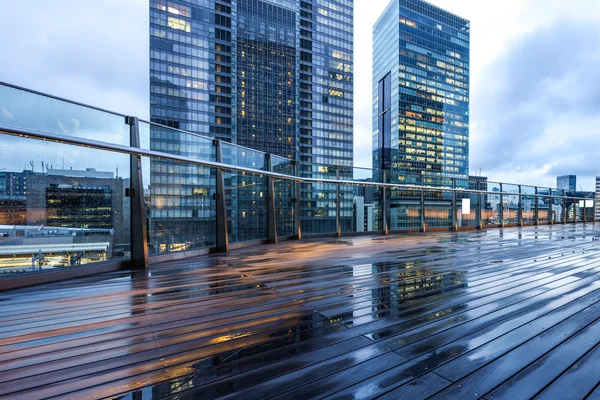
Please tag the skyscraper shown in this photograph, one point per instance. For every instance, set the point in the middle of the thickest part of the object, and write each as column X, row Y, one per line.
column 566, row 182
column 421, row 93
column 273, row 75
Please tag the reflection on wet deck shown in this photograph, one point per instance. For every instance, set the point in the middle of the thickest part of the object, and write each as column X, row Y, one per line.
column 511, row 313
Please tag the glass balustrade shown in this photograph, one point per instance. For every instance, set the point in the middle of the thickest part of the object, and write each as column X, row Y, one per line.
column 65, row 203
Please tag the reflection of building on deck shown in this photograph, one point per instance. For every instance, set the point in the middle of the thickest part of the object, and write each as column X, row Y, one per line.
column 46, row 246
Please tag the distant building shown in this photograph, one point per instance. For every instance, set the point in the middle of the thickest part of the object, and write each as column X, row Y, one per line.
column 566, row 182
column 363, row 215
column 78, row 199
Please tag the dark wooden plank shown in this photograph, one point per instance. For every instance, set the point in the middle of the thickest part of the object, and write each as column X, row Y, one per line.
column 533, row 379
column 503, row 366
column 420, row 388
column 384, row 382
column 578, row 381
column 205, row 324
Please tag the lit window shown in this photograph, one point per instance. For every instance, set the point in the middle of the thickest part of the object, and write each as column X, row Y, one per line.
column 179, row 24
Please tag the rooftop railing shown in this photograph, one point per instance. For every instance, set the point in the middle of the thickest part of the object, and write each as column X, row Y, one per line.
column 85, row 187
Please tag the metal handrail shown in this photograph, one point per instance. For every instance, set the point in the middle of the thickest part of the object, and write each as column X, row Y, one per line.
column 33, row 134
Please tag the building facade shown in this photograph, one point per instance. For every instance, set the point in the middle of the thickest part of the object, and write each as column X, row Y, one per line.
column 566, row 182
column 86, row 199
column 421, row 93
column 272, row 75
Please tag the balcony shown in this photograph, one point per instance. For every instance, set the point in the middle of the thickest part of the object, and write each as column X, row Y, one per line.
column 167, row 264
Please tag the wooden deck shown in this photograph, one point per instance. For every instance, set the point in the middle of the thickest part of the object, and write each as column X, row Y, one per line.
column 500, row 314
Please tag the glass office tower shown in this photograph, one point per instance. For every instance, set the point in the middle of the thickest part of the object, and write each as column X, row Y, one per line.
column 421, row 94
column 272, row 75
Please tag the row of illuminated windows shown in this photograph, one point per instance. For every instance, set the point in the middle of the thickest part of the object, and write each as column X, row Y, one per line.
column 174, row 179
column 185, row 169
column 188, row 72
column 433, row 97
column 439, row 138
column 410, row 132
column 427, row 71
column 440, row 85
column 180, row 92
column 180, row 38
column 430, row 153
column 182, row 191
column 441, row 57
column 433, row 90
column 433, row 160
column 202, row 213
column 178, row 59
column 408, row 58
column 445, row 114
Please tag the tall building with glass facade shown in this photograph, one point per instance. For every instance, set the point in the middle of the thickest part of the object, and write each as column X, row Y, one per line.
column 421, row 94
column 566, row 182
column 272, row 75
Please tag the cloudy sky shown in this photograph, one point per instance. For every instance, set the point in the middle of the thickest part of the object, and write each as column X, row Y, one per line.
column 535, row 80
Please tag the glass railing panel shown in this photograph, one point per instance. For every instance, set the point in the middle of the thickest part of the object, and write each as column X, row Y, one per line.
column 23, row 109
column 318, row 208
column 405, row 209
column 284, row 196
column 544, row 206
column 181, row 210
column 438, row 209
column 174, row 141
column 180, row 196
column 284, row 206
column 467, row 209
column 246, row 194
column 528, row 204
column 61, row 206
column 491, row 204
column 558, row 210
column 366, row 208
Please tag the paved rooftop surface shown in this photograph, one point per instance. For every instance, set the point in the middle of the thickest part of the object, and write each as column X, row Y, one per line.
column 500, row 314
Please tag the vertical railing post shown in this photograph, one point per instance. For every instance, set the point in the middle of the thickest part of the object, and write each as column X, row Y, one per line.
column 422, row 202
column 271, row 211
column 338, row 219
column 296, row 201
column 584, row 211
column 520, row 207
column 536, row 210
column 480, row 211
column 551, row 206
column 574, row 208
column 221, row 221
column 454, row 211
column 385, row 205
column 501, row 212
column 139, row 236
column 564, row 208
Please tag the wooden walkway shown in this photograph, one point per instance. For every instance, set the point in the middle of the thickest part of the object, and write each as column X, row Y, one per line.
column 499, row 314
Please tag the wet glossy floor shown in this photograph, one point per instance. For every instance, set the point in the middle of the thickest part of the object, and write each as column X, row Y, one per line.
column 509, row 314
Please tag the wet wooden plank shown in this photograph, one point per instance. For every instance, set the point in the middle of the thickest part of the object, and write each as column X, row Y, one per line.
column 274, row 318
